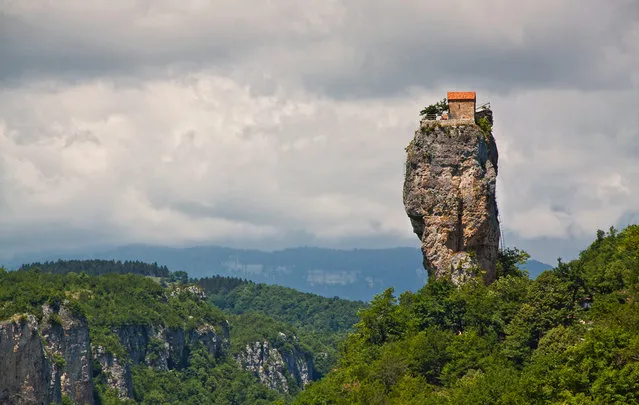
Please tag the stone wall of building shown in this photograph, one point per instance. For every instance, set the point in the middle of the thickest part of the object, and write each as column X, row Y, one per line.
column 461, row 109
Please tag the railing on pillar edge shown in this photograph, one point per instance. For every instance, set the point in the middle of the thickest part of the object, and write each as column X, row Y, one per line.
column 483, row 107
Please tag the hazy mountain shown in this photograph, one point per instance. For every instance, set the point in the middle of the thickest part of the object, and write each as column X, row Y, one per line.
column 356, row 274
column 353, row 274
column 535, row 267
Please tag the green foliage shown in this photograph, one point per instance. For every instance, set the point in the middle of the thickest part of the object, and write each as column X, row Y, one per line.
column 179, row 276
column 509, row 260
column 55, row 319
column 59, row 360
column 570, row 336
column 486, row 127
column 97, row 267
column 308, row 311
column 436, row 108
column 114, row 300
column 382, row 321
column 320, row 323
column 204, row 381
column 253, row 327
column 306, row 324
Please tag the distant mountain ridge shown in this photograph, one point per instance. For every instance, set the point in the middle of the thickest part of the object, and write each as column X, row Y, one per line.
column 356, row 274
column 535, row 267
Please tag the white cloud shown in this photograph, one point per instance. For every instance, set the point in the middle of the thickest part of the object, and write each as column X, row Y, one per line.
column 263, row 123
column 200, row 158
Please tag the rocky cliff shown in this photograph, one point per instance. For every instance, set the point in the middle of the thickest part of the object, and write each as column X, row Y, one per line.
column 278, row 367
column 42, row 361
column 46, row 358
column 449, row 196
column 163, row 348
column 158, row 347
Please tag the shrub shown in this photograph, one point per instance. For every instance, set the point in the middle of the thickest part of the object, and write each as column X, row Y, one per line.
column 485, row 126
column 436, row 108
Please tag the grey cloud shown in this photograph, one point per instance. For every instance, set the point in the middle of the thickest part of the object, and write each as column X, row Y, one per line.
column 55, row 236
column 232, row 208
column 349, row 49
column 281, row 125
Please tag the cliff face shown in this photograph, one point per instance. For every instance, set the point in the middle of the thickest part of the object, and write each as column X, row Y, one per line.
column 25, row 373
column 277, row 368
column 44, row 361
column 68, row 341
column 449, row 196
column 158, row 347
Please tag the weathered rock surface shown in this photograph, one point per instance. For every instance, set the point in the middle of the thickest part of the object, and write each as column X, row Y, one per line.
column 69, row 342
column 115, row 370
column 277, row 368
column 25, row 373
column 158, row 347
column 449, row 196
column 42, row 361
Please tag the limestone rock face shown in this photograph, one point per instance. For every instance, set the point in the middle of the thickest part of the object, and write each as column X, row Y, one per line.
column 277, row 368
column 158, row 347
column 449, row 196
column 25, row 375
column 117, row 371
column 42, row 361
column 68, row 342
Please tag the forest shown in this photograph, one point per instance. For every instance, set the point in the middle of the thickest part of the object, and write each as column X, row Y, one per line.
column 570, row 336
column 320, row 323
column 113, row 294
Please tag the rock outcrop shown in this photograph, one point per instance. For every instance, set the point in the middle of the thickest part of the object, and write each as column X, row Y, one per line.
column 277, row 368
column 449, row 196
column 158, row 347
column 42, row 361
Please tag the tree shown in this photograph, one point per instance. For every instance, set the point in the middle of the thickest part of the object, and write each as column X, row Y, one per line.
column 509, row 260
column 381, row 322
column 180, row 276
column 436, row 108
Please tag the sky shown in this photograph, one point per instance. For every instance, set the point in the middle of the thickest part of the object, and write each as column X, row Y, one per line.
column 283, row 123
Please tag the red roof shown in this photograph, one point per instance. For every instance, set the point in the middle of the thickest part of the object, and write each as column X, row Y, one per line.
column 461, row 95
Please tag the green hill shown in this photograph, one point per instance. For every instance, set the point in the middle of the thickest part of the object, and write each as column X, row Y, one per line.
column 163, row 339
column 156, row 331
column 571, row 336
column 320, row 323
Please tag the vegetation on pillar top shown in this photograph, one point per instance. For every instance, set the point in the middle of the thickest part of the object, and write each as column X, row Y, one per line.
column 436, row 108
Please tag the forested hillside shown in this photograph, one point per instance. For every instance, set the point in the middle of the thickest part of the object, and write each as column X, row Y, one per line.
column 569, row 337
column 145, row 326
column 133, row 319
column 319, row 322
column 356, row 274
column 309, row 311
column 96, row 267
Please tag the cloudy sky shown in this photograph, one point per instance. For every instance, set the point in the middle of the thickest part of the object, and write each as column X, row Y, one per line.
column 281, row 123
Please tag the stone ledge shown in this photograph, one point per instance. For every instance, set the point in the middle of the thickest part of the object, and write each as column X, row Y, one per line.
column 447, row 123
